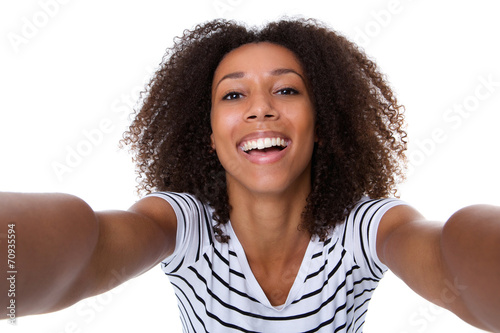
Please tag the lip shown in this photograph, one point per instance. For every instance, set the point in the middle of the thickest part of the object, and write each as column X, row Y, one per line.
column 269, row 157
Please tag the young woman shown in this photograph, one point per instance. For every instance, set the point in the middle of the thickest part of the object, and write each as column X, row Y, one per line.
column 270, row 158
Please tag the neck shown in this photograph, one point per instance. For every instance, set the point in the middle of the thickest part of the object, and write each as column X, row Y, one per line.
column 268, row 225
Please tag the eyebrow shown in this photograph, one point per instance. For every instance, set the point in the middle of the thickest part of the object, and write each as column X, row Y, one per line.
column 275, row 72
column 282, row 71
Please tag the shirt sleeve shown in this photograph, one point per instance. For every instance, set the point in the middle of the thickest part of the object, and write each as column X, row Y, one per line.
column 360, row 233
column 194, row 230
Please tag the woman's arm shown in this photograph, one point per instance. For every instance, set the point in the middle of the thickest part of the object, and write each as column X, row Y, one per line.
column 470, row 244
column 64, row 251
column 455, row 265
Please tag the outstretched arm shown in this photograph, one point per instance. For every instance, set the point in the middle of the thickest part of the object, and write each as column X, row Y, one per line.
column 64, row 251
column 455, row 265
column 471, row 249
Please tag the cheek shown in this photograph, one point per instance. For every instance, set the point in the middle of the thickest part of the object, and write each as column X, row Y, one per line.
column 220, row 142
column 307, row 126
column 224, row 124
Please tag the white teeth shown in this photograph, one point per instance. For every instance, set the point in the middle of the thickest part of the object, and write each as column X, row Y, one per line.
column 260, row 144
column 267, row 142
column 263, row 143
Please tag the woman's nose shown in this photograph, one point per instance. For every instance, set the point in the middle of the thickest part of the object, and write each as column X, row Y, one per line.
column 262, row 108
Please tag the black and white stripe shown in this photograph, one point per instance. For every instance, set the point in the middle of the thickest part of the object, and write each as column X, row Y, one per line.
column 217, row 292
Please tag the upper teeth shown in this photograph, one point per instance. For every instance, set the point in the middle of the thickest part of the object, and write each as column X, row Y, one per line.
column 263, row 143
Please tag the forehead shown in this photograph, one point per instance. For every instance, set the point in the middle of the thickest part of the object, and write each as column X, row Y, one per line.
column 257, row 57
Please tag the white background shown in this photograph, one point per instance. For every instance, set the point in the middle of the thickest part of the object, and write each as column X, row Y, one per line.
column 73, row 67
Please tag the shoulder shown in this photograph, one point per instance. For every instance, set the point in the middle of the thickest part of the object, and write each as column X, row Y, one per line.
column 395, row 227
column 175, row 198
column 193, row 227
column 183, row 206
column 171, row 210
column 367, row 214
column 368, row 208
column 358, row 234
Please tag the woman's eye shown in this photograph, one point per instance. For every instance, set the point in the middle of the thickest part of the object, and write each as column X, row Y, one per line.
column 287, row 91
column 232, row 95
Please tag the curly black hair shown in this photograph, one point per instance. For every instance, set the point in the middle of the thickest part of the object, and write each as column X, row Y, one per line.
column 360, row 126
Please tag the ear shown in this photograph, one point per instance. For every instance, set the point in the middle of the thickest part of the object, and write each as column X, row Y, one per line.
column 316, row 137
column 212, row 141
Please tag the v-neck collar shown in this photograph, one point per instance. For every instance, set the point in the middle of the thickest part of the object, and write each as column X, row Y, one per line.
column 254, row 285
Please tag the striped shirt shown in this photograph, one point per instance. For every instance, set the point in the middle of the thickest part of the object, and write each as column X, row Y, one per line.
column 217, row 292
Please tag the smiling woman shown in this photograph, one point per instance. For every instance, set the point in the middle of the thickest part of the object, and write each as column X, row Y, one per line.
column 358, row 125
column 270, row 158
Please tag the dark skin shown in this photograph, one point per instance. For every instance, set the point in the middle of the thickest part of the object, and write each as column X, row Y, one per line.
column 267, row 193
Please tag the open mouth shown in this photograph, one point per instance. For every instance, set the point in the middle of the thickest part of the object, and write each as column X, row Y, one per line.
column 264, row 145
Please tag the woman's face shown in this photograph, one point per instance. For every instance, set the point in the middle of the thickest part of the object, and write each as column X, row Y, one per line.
column 263, row 119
